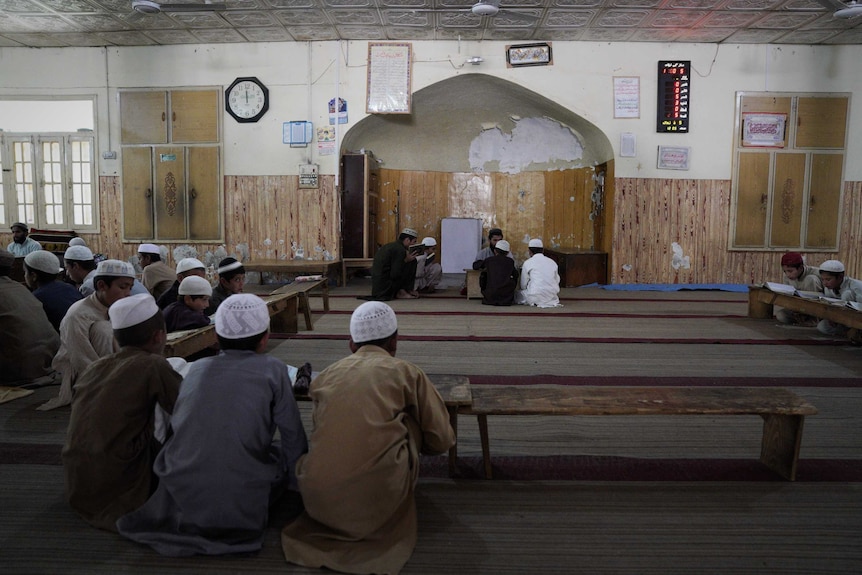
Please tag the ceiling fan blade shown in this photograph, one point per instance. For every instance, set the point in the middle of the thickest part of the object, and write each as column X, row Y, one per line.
column 832, row 4
column 199, row 7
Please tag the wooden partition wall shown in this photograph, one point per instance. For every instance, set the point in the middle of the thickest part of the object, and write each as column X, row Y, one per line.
column 643, row 219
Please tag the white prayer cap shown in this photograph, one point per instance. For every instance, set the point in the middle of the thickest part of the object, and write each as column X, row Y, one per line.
column 77, row 242
column 502, row 245
column 115, row 268
column 410, row 232
column 832, row 266
column 241, row 315
column 132, row 310
column 534, row 243
column 44, row 261
column 78, row 254
column 187, row 264
column 371, row 321
column 149, row 249
column 195, row 285
column 429, row 242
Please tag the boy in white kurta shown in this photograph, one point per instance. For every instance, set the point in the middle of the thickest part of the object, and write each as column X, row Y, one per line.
column 540, row 279
column 373, row 415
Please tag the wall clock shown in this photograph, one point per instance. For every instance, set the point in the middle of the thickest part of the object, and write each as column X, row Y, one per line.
column 246, row 99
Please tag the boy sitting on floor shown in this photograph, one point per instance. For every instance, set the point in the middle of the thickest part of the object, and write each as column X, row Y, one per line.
column 110, row 449
column 222, row 468
column 188, row 311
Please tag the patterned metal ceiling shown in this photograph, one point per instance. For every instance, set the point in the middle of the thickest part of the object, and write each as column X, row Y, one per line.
column 59, row 23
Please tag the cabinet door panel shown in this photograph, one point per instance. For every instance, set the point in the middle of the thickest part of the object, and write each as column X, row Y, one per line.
column 788, row 189
column 821, row 122
column 170, row 197
column 137, row 194
column 194, row 116
column 143, row 118
column 203, row 193
column 824, row 200
column 751, row 199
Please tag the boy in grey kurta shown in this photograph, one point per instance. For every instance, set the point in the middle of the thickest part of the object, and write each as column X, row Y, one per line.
column 109, row 451
column 373, row 415
column 222, row 468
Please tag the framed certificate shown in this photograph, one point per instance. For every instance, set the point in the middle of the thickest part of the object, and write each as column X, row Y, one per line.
column 389, row 78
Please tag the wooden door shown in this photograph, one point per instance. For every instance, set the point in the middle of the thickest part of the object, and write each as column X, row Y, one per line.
column 354, row 179
column 824, row 202
column 143, row 118
column 203, row 193
column 170, row 196
column 751, row 199
column 788, row 189
column 194, row 116
column 138, row 194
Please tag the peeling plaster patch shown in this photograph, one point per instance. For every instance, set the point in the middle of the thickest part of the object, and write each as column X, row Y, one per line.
column 526, row 239
column 184, row 251
column 298, row 251
column 678, row 260
column 242, row 250
column 532, row 140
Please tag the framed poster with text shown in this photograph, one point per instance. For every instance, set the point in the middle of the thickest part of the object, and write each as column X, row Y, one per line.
column 389, row 78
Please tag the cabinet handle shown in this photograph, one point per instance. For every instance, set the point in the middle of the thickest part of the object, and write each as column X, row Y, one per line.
column 163, row 116
column 811, row 204
column 149, row 193
column 173, row 116
column 193, row 193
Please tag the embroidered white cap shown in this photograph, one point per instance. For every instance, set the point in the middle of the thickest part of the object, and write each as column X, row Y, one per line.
column 116, row 268
column 410, row 232
column 503, row 245
column 77, row 242
column 534, row 243
column 132, row 310
column 43, row 261
column 78, row 254
column 371, row 321
column 149, row 249
column 832, row 266
column 195, row 285
column 429, row 242
column 241, row 315
column 187, row 264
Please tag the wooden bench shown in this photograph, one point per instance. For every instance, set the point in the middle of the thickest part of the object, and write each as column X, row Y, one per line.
column 302, row 289
column 283, row 311
column 761, row 302
column 296, row 267
column 455, row 391
column 348, row 264
column 783, row 411
column 474, row 289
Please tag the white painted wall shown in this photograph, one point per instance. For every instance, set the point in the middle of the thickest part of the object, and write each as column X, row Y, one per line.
column 303, row 77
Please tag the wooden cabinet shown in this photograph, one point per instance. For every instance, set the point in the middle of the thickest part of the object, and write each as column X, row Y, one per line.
column 787, row 191
column 359, row 203
column 580, row 267
column 171, row 165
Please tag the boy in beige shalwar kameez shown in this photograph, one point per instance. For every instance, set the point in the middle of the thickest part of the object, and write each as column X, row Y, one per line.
column 373, row 415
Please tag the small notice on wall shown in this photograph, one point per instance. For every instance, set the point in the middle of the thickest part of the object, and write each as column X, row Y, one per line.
column 627, row 97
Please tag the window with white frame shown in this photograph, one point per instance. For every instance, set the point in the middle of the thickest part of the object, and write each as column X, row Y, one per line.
column 48, row 161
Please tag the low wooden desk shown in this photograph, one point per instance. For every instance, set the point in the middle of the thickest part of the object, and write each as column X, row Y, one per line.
column 188, row 342
column 298, row 267
column 579, row 267
column 474, row 288
column 761, row 302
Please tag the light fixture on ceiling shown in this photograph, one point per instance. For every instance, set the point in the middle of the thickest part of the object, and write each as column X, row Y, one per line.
column 485, row 8
column 475, row 60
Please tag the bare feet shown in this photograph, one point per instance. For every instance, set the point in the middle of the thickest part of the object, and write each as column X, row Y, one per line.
column 405, row 295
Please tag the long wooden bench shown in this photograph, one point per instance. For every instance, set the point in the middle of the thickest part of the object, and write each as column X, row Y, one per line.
column 761, row 302
column 296, row 267
column 303, row 289
column 783, row 411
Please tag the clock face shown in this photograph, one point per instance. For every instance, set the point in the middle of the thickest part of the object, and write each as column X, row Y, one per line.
column 247, row 99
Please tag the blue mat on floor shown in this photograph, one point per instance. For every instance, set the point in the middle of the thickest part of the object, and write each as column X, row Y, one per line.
column 673, row 287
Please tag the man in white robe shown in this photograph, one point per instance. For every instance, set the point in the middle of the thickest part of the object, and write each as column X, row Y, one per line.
column 540, row 279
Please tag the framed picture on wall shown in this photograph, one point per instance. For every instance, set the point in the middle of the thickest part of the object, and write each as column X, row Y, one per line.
column 673, row 157
column 389, row 78
column 763, row 130
column 529, row 55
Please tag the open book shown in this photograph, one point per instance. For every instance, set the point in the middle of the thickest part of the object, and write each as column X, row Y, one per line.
column 790, row 290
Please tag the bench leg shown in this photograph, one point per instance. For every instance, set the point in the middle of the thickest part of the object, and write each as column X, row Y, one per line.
column 758, row 309
column 306, row 310
column 782, row 437
column 486, row 450
column 453, row 451
column 285, row 321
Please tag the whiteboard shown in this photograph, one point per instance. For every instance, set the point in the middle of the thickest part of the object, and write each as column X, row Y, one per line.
column 460, row 241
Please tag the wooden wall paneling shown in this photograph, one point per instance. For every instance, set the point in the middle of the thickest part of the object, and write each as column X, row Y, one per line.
column 143, row 117
column 387, row 209
column 824, row 201
column 109, row 240
column 787, row 191
column 606, row 224
column 194, row 116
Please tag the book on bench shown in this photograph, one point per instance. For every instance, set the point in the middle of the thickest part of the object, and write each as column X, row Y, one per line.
column 790, row 290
